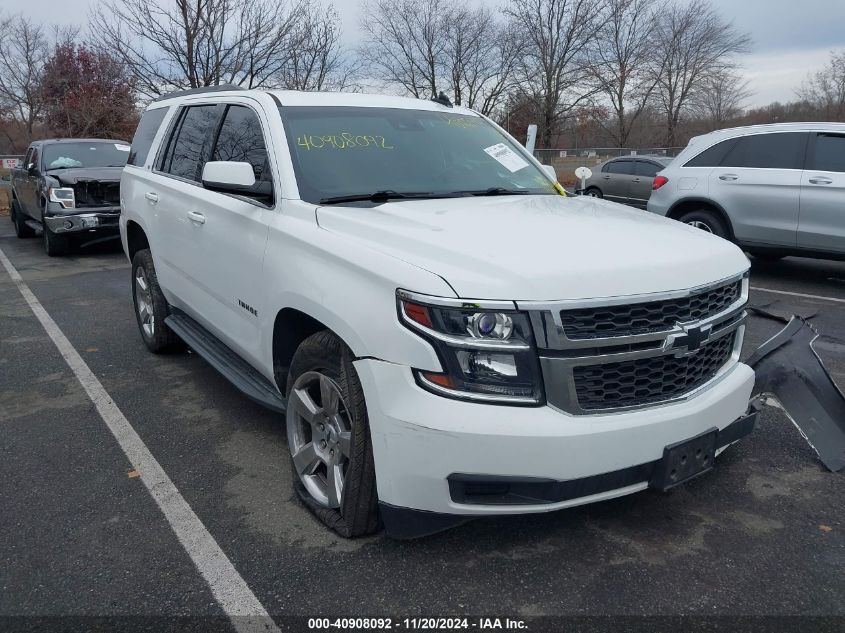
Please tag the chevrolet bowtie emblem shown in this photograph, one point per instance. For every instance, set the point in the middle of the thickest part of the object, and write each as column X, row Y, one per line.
column 689, row 341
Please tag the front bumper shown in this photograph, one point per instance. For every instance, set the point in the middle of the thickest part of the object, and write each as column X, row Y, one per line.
column 84, row 221
column 421, row 440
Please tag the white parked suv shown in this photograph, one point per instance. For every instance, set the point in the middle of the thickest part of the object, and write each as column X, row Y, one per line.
column 447, row 334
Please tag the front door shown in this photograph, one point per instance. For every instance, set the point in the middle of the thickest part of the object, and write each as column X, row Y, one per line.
column 758, row 183
column 821, row 225
column 616, row 179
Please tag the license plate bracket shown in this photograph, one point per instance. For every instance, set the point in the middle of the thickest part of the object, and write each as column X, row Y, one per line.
column 685, row 460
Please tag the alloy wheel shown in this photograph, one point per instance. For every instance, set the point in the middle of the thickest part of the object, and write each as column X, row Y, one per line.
column 144, row 301
column 319, row 436
column 701, row 225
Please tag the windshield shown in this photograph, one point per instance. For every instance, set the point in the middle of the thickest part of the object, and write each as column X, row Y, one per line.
column 349, row 151
column 85, row 154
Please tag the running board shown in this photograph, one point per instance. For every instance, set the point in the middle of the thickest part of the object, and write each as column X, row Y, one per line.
column 35, row 226
column 236, row 370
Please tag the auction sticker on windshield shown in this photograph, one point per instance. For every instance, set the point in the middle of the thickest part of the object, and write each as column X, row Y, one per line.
column 508, row 158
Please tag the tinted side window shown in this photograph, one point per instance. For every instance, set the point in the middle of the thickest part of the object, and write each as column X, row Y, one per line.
column 773, row 151
column 645, row 168
column 712, row 156
column 241, row 139
column 35, row 158
column 186, row 151
column 620, row 167
column 28, row 158
column 829, row 153
column 144, row 135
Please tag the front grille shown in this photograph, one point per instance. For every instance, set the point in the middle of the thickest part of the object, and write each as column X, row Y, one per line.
column 649, row 380
column 643, row 318
column 97, row 193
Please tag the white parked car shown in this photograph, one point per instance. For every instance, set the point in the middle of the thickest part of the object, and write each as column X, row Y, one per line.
column 448, row 336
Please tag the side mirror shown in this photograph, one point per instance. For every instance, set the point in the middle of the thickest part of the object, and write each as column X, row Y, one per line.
column 228, row 176
column 30, row 168
column 550, row 172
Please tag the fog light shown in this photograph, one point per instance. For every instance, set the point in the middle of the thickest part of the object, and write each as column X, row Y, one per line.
column 68, row 224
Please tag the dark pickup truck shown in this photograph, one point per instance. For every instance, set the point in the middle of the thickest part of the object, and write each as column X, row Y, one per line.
column 69, row 189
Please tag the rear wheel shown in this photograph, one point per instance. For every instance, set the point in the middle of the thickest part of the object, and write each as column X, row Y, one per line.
column 150, row 306
column 22, row 230
column 329, row 437
column 706, row 220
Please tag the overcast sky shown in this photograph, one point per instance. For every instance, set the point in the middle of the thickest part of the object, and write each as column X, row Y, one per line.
column 790, row 38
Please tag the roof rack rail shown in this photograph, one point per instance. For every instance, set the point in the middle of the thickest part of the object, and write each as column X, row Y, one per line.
column 197, row 91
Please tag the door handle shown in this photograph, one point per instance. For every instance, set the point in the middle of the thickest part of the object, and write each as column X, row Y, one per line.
column 728, row 177
column 193, row 216
column 636, row 179
column 606, row 177
column 820, row 180
column 152, row 197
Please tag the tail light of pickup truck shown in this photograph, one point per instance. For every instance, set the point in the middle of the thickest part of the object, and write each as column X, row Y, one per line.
column 658, row 182
column 64, row 196
column 487, row 352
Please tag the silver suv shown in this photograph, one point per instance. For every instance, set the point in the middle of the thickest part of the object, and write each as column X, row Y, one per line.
column 775, row 190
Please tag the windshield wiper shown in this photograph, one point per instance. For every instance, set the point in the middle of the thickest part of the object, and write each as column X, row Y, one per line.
column 497, row 191
column 378, row 196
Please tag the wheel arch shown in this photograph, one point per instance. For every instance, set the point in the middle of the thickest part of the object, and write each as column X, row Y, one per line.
column 136, row 238
column 697, row 204
column 290, row 328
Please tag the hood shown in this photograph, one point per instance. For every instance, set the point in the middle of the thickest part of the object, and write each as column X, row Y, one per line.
column 540, row 247
column 74, row 175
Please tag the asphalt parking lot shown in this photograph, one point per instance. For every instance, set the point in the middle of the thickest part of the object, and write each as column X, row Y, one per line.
column 80, row 535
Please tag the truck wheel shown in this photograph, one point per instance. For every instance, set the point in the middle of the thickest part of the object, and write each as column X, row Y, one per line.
column 54, row 245
column 150, row 306
column 706, row 220
column 329, row 437
column 21, row 229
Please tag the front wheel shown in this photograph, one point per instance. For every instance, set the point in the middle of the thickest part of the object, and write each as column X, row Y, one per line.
column 329, row 437
column 54, row 244
column 593, row 192
column 707, row 221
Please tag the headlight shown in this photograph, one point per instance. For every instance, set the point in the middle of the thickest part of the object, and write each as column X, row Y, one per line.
column 64, row 196
column 487, row 351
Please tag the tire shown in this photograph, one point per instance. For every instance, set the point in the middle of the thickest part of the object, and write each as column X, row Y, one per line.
column 21, row 229
column 706, row 220
column 54, row 244
column 150, row 306
column 323, row 365
column 593, row 192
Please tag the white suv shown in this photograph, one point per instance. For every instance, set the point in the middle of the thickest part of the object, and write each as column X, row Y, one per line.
column 448, row 335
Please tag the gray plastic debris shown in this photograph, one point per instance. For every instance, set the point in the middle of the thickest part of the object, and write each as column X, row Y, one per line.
column 789, row 370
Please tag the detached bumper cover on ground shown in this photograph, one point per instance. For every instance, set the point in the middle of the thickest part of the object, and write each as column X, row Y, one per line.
column 788, row 369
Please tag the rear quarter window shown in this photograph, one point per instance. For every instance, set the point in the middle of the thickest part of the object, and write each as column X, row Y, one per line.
column 144, row 136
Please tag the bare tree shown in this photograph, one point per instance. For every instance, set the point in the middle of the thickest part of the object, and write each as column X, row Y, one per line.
column 553, row 69
column 722, row 98
column 481, row 55
column 694, row 42
column 191, row 43
column 825, row 88
column 405, row 43
column 316, row 59
column 24, row 48
column 622, row 59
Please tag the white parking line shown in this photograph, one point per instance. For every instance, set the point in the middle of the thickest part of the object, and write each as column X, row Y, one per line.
column 798, row 294
column 228, row 587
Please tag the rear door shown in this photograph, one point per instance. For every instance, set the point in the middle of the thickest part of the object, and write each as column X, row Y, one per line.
column 758, row 184
column 821, row 225
column 644, row 173
column 616, row 179
column 174, row 198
